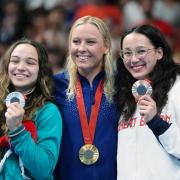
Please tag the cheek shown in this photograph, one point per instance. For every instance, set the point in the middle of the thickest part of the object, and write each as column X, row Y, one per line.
column 35, row 72
column 98, row 52
column 127, row 66
column 152, row 64
column 10, row 68
column 72, row 49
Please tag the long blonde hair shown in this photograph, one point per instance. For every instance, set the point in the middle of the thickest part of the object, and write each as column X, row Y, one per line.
column 108, row 61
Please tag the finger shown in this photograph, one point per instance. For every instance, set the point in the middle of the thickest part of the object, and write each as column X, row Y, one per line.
column 7, row 115
column 14, row 105
column 146, row 98
column 10, row 112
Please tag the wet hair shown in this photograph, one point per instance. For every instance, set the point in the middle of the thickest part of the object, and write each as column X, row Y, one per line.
column 163, row 75
column 44, row 86
column 107, row 61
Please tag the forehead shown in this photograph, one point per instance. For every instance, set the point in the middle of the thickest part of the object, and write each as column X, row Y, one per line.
column 136, row 40
column 25, row 50
column 87, row 29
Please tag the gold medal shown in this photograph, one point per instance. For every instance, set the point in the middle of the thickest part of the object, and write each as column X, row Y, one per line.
column 88, row 154
column 140, row 88
column 15, row 97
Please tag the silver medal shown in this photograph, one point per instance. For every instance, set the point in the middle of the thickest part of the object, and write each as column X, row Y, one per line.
column 140, row 88
column 15, row 97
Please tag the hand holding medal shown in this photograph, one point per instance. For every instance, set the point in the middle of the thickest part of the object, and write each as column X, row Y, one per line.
column 147, row 106
column 15, row 112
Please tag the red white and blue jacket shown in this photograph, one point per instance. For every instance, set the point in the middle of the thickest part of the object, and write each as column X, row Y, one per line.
column 151, row 151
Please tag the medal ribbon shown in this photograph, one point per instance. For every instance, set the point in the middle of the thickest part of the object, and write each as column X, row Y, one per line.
column 88, row 130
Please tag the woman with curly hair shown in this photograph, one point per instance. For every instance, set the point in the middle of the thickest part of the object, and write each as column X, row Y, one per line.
column 30, row 123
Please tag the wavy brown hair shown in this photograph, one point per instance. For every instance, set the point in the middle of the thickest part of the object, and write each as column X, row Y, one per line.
column 44, row 86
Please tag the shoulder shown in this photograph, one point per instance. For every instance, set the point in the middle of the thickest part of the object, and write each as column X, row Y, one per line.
column 176, row 87
column 48, row 109
column 174, row 94
column 48, row 115
column 48, row 120
column 61, row 77
column 61, row 81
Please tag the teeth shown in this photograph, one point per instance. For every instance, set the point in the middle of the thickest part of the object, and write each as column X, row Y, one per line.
column 83, row 57
column 20, row 75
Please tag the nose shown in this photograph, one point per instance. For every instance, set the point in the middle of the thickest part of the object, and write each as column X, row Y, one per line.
column 82, row 47
column 21, row 66
column 134, row 59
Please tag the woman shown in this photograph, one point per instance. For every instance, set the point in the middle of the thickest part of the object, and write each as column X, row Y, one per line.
column 33, row 132
column 84, row 96
column 149, row 127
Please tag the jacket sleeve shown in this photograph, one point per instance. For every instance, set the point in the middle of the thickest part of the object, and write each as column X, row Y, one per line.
column 170, row 139
column 40, row 158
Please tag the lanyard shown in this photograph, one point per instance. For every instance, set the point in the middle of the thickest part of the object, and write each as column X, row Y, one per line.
column 88, row 130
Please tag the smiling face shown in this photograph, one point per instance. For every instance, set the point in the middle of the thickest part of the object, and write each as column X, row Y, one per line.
column 140, row 67
column 87, row 48
column 23, row 67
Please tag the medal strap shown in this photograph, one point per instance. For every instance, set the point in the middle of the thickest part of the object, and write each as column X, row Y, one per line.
column 88, row 130
column 148, row 80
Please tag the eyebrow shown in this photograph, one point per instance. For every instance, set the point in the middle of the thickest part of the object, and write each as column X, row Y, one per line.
column 25, row 58
column 135, row 47
column 91, row 38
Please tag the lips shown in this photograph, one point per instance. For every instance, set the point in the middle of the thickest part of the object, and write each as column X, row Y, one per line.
column 137, row 67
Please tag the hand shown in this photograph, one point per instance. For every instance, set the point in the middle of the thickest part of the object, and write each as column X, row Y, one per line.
column 147, row 107
column 14, row 115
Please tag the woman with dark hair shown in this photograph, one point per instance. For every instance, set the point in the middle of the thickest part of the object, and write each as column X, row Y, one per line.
column 147, row 86
column 30, row 124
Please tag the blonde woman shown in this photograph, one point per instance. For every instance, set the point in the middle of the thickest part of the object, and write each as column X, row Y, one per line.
column 84, row 95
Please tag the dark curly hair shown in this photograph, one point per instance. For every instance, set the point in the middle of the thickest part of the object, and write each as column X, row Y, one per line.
column 163, row 75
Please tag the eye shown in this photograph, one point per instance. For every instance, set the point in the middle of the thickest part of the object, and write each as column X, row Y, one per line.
column 31, row 61
column 91, row 42
column 141, row 51
column 127, row 53
column 75, row 41
column 15, row 61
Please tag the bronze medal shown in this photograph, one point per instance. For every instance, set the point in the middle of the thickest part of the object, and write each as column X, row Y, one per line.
column 140, row 88
column 88, row 154
column 15, row 97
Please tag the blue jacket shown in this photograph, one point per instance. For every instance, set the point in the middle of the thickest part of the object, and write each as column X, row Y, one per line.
column 39, row 158
column 69, row 166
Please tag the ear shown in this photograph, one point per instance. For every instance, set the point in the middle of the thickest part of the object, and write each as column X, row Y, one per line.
column 106, row 49
column 159, row 52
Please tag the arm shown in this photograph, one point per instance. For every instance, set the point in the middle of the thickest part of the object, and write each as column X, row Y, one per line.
column 169, row 133
column 170, row 139
column 40, row 158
